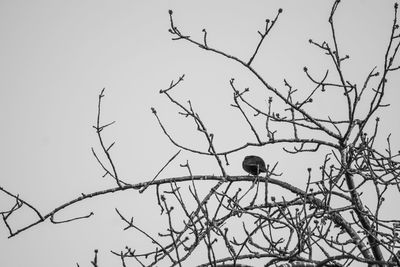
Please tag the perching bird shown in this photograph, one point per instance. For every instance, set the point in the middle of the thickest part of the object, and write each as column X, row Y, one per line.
column 254, row 165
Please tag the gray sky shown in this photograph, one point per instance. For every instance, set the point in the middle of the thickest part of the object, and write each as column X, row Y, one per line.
column 56, row 56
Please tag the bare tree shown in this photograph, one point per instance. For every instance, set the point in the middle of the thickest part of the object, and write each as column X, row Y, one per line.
column 326, row 223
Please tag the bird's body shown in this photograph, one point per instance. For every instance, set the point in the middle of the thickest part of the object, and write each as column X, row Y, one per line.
column 254, row 165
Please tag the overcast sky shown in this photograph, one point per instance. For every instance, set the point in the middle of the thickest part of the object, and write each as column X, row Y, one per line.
column 56, row 56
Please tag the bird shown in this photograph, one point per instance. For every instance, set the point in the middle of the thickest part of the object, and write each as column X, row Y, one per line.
column 254, row 165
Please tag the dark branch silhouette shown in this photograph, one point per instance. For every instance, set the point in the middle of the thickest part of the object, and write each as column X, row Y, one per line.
column 238, row 220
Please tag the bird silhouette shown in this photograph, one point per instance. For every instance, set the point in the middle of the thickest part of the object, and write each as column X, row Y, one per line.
column 254, row 165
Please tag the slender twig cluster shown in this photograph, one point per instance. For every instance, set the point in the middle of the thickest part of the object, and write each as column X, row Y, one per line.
column 325, row 223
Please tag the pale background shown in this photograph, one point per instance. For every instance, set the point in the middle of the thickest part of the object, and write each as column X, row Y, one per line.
column 56, row 56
